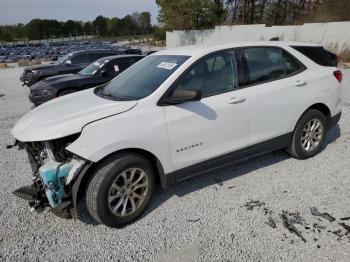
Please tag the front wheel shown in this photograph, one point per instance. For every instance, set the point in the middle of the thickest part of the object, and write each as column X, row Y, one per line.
column 120, row 189
column 309, row 135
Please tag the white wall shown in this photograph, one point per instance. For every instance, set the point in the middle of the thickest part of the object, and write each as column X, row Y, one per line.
column 335, row 36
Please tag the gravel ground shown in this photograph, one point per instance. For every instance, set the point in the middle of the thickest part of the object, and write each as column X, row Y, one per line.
column 204, row 219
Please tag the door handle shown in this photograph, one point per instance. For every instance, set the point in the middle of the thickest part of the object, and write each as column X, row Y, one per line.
column 236, row 100
column 300, row 83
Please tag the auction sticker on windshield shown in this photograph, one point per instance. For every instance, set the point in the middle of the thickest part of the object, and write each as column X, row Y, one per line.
column 167, row 65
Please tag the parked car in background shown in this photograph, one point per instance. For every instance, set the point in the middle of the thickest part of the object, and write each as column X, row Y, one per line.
column 70, row 63
column 176, row 114
column 97, row 73
column 135, row 51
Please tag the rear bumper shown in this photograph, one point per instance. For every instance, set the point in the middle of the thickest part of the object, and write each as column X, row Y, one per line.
column 334, row 121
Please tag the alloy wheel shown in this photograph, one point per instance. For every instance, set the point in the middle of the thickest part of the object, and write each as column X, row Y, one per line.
column 312, row 134
column 128, row 191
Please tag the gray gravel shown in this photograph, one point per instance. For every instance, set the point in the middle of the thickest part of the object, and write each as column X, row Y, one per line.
column 203, row 219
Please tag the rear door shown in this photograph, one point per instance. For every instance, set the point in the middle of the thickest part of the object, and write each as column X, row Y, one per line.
column 277, row 90
column 214, row 126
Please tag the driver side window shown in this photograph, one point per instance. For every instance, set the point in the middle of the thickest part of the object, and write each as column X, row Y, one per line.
column 213, row 75
column 80, row 59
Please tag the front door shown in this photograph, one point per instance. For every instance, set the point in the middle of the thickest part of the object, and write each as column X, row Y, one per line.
column 214, row 126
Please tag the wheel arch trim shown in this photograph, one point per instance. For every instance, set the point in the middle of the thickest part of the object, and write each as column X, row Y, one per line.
column 84, row 175
column 318, row 106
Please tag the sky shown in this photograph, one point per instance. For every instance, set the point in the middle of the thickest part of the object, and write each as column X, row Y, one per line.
column 22, row 11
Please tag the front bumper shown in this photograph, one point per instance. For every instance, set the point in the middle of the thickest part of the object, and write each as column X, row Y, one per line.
column 28, row 78
column 54, row 185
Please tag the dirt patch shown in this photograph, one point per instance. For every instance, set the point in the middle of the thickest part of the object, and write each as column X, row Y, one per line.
column 299, row 226
column 251, row 204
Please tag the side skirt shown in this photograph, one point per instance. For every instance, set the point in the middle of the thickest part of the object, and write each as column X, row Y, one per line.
column 264, row 147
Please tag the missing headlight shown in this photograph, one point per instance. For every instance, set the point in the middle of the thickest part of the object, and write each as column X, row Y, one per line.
column 59, row 147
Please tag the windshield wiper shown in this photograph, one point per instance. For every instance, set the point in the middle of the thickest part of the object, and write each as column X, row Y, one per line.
column 108, row 95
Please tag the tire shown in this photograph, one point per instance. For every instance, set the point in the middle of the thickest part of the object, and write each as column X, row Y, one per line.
column 66, row 92
column 106, row 183
column 306, row 144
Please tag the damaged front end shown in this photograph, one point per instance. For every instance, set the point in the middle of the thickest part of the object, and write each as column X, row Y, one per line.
column 54, row 172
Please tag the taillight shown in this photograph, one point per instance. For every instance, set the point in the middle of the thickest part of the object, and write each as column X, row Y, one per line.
column 338, row 75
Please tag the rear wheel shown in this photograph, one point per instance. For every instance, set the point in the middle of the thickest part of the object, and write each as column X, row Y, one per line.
column 309, row 135
column 120, row 189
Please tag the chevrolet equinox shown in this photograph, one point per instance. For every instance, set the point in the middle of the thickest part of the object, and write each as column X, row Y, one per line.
column 174, row 115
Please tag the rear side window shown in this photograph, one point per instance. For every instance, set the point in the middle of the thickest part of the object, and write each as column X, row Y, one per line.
column 269, row 63
column 80, row 59
column 319, row 55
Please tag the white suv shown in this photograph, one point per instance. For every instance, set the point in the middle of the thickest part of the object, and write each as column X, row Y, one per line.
column 173, row 115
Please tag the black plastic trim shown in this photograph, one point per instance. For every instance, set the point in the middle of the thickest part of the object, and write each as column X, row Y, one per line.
column 75, row 185
column 264, row 147
column 334, row 121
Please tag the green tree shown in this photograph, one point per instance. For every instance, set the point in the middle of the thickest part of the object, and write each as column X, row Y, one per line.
column 100, row 23
column 34, row 29
column 88, row 28
column 331, row 10
column 129, row 26
column 144, row 22
column 113, row 26
column 186, row 14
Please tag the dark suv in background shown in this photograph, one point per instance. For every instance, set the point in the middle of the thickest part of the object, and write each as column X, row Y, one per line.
column 70, row 63
column 97, row 73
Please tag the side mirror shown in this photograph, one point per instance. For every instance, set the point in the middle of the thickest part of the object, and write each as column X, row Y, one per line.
column 183, row 96
column 68, row 63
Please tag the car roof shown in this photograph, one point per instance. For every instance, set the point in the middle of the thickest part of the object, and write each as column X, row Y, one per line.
column 94, row 51
column 114, row 57
column 194, row 50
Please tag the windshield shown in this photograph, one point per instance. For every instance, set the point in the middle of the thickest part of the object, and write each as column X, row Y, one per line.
column 93, row 68
column 143, row 78
column 63, row 58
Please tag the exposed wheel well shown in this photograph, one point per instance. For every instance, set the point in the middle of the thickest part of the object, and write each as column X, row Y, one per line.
column 323, row 108
column 320, row 107
column 160, row 177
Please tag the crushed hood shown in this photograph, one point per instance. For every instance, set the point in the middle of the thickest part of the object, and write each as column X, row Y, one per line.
column 66, row 115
